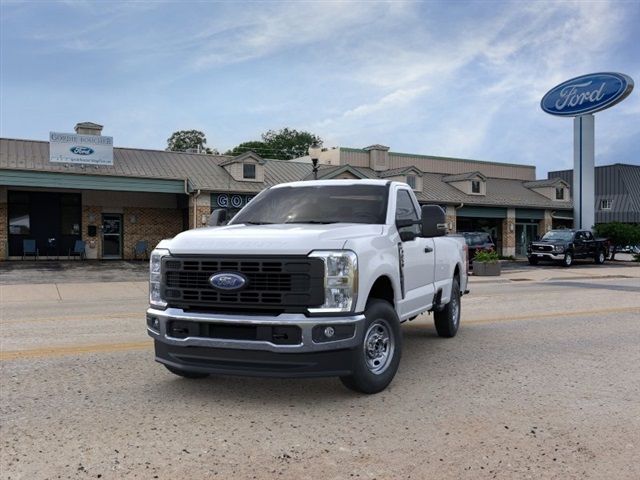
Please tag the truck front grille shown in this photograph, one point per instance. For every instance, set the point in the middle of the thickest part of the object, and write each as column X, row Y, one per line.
column 289, row 284
column 543, row 248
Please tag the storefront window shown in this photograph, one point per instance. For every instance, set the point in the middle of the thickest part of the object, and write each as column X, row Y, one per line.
column 19, row 219
column 70, row 214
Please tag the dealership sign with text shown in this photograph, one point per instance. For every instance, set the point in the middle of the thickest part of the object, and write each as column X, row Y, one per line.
column 587, row 94
column 229, row 200
column 80, row 149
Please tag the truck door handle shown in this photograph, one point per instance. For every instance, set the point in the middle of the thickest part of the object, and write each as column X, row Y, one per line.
column 428, row 249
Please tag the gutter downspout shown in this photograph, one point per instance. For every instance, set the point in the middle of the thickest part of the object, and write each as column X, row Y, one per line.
column 195, row 208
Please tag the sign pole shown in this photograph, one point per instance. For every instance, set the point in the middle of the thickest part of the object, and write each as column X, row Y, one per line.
column 579, row 98
column 583, row 172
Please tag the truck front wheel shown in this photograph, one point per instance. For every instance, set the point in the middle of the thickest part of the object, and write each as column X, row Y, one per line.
column 376, row 359
column 447, row 320
column 600, row 257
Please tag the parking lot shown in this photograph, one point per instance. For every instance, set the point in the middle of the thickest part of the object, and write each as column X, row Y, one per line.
column 542, row 381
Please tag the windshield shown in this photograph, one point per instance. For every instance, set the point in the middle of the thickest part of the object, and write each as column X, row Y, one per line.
column 317, row 204
column 558, row 235
column 474, row 239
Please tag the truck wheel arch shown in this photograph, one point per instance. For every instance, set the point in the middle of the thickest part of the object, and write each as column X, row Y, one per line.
column 382, row 289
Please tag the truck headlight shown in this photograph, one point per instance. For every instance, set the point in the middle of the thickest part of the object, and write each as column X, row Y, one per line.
column 155, row 277
column 340, row 281
column 559, row 248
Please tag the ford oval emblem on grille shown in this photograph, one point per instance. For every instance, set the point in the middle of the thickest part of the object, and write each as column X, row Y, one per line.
column 228, row 281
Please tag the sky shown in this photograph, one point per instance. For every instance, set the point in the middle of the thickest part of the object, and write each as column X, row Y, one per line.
column 451, row 78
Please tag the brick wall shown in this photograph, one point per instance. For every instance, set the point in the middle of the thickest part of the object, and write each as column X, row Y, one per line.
column 509, row 233
column 150, row 224
column 546, row 223
column 202, row 207
column 92, row 216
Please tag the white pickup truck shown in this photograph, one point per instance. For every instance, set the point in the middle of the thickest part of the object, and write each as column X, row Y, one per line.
column 309, row 279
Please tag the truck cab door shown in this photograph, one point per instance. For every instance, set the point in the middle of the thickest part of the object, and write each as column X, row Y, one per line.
column 579, row 245
column 416, row 257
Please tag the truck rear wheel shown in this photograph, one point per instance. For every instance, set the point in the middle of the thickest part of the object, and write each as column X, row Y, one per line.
column 447, row 320
column 186, row 373
column 376, row 359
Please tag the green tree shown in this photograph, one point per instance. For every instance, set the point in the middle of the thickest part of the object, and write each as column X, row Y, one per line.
column 619, row 234
column 283, row 144
column 255, row 146
column 289, row 143
column 183, row 140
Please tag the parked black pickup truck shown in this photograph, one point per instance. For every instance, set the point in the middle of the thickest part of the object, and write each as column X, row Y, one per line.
column 564, row 246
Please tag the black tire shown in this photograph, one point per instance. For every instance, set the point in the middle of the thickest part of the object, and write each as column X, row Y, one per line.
column 567, row 261
column 375, row 361
column 186, row 373
column 600, row 257
column 533, row 260
column 447, row 321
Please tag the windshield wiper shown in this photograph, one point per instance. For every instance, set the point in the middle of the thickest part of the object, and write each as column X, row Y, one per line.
column 258, row 223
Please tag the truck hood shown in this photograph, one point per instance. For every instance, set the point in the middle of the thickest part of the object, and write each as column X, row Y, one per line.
column 281, row 239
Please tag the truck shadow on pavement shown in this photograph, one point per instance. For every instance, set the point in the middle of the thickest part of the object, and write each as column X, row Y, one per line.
column 422, row 350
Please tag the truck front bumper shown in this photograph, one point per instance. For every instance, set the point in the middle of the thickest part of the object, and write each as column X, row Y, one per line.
column 286, row 345
column 550, row 256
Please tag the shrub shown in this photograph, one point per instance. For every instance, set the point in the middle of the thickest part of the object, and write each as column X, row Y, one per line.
column 485, row 256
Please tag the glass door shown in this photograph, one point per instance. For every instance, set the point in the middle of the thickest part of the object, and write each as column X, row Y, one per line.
column 111, row 235
column 525, row 233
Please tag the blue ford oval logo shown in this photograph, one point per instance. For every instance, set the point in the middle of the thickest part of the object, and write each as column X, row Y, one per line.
column 587, row 94
column 228, row 281
column 81, row 150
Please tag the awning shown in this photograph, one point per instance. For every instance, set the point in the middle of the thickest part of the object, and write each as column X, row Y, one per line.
column 22, row 178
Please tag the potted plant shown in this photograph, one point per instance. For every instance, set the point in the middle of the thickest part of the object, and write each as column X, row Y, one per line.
column 486, row 263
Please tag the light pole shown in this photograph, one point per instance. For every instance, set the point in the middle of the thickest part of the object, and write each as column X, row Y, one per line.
column 314, row 153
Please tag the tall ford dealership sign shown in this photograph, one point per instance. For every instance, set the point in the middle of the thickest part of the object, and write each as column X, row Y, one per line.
column 80, row 149
column 580, row 97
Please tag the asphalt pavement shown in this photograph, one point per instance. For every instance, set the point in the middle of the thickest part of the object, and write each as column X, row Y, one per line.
column 542, row 381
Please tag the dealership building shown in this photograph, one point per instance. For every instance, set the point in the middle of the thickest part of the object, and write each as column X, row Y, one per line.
column 80, row 188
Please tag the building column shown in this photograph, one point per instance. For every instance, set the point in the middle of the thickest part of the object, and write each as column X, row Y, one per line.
column 509, row 233
column 91, row 216
column 451, row 218
column 199, row 209
column 546, row 223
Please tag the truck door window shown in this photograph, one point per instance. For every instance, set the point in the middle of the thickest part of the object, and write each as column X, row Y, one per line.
column 588, row 236
column 406, row 210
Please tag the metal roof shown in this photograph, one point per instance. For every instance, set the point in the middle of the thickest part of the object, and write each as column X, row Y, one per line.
column 201, row 170
column 204, row 172
column 463, row 176
column 547, row 182
column 400, row 171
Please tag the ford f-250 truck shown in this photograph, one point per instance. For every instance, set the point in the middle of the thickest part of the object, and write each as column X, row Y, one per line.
column 309, row 279
column 564, row 246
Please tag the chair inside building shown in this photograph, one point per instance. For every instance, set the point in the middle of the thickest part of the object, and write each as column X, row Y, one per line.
column 141, row 248
column 29, row 248
column 79, row 250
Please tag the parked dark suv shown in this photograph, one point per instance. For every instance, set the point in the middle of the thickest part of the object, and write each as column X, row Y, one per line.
column 478, row 242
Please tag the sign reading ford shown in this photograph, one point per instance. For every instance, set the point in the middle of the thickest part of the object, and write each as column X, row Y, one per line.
column 80, row 149
column 587, row 94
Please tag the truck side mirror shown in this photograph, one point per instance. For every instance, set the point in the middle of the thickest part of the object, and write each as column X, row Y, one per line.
column 433, row 221
column 218, row 217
